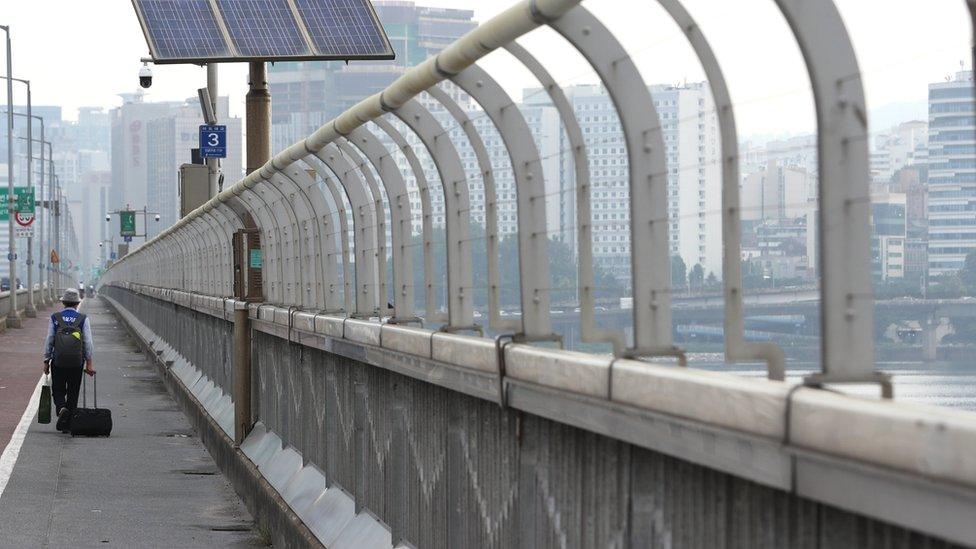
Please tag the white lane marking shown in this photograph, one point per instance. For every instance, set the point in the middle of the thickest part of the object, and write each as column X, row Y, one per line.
column 9, row 457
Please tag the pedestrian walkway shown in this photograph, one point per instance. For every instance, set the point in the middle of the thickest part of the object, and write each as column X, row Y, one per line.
column 151, row 484
column 21, row 363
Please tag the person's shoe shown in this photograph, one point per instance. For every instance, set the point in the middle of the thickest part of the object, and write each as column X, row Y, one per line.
column 64, row 419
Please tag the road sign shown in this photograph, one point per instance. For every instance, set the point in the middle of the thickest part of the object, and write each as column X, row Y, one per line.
column 127, row 220
column 127, row 238
column 54, row 258
column 23, row 201
column 24, row 219
column 24, row 232
column 213, row 141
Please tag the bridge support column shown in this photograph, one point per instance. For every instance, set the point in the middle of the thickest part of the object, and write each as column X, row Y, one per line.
column 242, row 373
column 933, row 330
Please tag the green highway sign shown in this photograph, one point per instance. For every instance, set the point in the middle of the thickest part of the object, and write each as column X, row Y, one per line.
column 127, row 220
column 23, row 203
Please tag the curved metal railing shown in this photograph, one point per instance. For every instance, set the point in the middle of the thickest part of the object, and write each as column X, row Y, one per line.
column 309, row 197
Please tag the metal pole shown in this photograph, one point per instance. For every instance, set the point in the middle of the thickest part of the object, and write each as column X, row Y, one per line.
column 213, row 164
column 51, row 286
column 13, row 317
column 258, row 112
column 242, row 374
column 30, row 311
column 40, row 228
column 57, row 233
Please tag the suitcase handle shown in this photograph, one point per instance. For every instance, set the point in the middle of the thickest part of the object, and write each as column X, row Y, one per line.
column 84, row 391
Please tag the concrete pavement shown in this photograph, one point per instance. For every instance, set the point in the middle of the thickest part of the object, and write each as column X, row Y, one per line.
column 151, row 484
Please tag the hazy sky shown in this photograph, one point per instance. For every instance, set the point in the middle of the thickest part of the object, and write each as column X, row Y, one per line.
column 84, row 52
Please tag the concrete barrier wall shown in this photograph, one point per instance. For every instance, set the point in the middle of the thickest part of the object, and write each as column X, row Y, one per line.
column 437, row 467
column 40, row 302
column 203, row 339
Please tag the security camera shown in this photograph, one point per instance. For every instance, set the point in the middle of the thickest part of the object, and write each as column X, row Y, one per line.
column 108, row 217
column 100, row 244
column 157, row 217
column 145, row 76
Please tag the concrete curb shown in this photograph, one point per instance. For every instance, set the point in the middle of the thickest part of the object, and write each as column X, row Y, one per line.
column 261, row 499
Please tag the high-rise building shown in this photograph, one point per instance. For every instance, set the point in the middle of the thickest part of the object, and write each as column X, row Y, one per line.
column 796, row 152
column 130, row 174
column 169, row 139
column 904, row 145
column 307, row 94
column 691, row 139
column 951, row 173
column 889, row 232
column 777, row 192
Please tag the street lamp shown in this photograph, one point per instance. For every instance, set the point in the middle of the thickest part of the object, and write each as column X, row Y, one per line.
column 30, row 310
column 13, row 318
column 44, row 237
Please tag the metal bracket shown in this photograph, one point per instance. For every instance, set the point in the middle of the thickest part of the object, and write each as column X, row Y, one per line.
column 501, row 343
column 448, row 329
column 818, row 380
column 638, row 353
column 405, row 320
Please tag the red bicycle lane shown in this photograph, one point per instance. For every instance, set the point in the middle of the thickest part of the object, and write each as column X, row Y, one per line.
column 21, row 365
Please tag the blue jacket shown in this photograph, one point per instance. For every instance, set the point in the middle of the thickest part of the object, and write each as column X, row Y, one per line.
column 69, row 315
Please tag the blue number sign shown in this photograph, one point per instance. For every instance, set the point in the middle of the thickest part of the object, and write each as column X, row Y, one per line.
column 213, row 141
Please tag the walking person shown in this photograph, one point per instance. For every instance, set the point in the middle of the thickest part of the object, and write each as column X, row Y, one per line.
column 67, row 354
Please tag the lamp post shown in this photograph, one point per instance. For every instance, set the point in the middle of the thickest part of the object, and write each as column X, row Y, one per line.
column 30, row 310
column 44, row 205
column 13, row 317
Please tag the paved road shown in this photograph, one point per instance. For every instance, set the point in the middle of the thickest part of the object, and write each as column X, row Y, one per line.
column 151, row 484
column 21, row 358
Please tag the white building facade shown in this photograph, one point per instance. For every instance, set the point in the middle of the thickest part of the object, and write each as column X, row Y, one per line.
column 952, row 174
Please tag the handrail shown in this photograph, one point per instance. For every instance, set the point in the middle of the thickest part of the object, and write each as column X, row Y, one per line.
column 300, row 254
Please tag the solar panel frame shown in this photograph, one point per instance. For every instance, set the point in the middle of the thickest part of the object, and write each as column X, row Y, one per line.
column 314, row 52
column 315, row 31
column 267, row 25
column 156, row 40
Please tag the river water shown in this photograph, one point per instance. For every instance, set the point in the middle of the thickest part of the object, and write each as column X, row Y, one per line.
column 947, row 384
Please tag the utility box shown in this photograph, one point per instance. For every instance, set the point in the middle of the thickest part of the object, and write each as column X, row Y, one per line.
column 194, row 187
column 248, row 265
column 123, row 250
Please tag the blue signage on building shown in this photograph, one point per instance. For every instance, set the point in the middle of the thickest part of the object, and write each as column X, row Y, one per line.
column 213, row 141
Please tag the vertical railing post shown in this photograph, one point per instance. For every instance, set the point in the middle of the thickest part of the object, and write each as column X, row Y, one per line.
column 258, row 108
column 242, row 372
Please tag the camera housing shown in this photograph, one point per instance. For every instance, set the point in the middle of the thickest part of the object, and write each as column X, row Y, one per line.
column 145, row 76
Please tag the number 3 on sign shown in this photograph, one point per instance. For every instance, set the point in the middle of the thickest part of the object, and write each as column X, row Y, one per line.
column 213, row 139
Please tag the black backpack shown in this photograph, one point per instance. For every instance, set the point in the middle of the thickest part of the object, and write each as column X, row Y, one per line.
column 69, row 344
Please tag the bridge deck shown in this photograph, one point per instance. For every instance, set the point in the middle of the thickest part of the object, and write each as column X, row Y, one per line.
column 151, row 484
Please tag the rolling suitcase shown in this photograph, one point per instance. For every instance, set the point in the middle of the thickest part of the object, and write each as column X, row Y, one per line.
column 91, row 422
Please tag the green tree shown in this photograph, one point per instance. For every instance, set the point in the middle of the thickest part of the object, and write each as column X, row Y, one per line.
column 712, row 282
column 967, row 275
column 679, row 272
column 696, row 278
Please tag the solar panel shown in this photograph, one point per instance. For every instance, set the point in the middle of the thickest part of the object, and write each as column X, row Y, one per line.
column 262, row 28
column 199, row 31
column 182, row 29
column 343, row 27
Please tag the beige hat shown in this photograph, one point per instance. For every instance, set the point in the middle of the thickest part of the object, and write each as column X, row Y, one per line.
column 71, row 295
